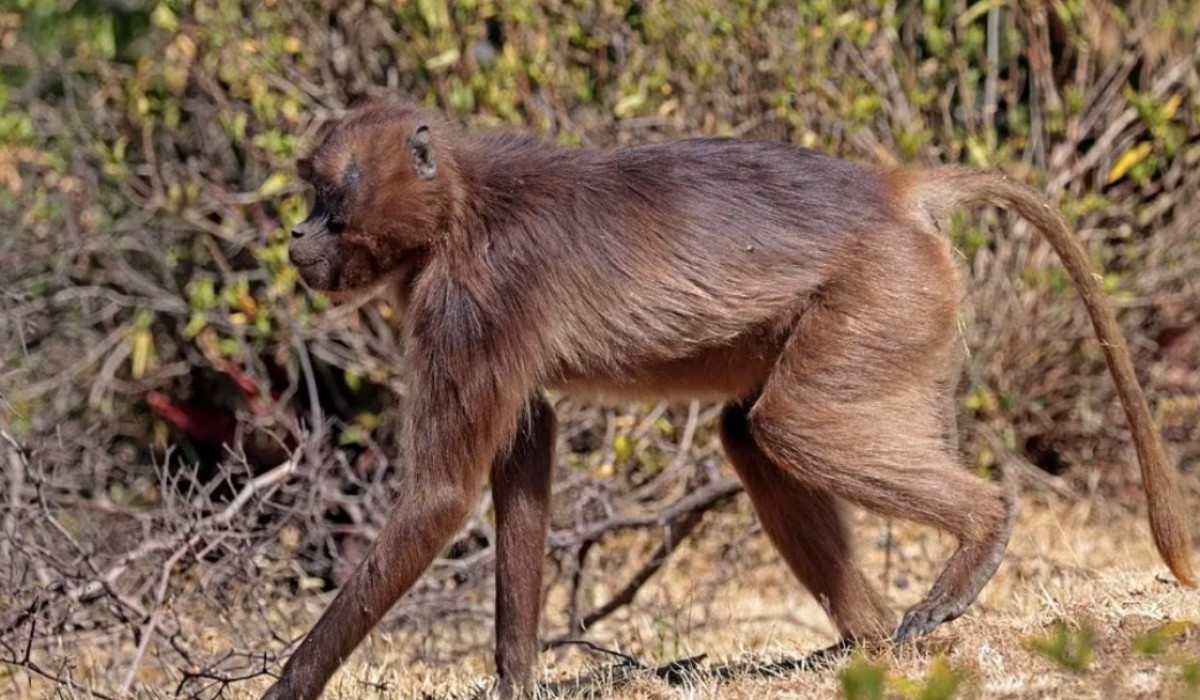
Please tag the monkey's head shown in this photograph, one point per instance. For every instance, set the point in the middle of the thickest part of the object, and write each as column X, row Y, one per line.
column 384, row 187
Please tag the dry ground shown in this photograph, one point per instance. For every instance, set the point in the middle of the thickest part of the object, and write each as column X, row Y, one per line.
column 1090, row 567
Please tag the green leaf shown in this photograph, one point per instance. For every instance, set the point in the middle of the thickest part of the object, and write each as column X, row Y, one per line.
column 623, row 447
column 864, row 679
column 106, row 38
column 942, row 682
column 1068, row 646
column 164, row 18
column 274, row 184
column 196, row 323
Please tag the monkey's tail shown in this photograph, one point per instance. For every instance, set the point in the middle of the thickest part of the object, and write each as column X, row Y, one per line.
column 939, row 190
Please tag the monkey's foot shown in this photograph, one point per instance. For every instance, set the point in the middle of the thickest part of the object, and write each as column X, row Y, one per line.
column 966, row 573
column 926, row 615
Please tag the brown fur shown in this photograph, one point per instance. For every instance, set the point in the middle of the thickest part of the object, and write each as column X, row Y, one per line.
column 815, row 296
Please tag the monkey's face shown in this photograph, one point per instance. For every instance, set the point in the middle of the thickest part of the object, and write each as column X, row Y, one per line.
column 319, row 250
column 376, row 206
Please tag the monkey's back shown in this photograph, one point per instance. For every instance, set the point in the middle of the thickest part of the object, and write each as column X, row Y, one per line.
column 683, row 260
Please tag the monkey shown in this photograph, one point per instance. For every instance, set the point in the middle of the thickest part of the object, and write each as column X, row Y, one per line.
column 816, row 297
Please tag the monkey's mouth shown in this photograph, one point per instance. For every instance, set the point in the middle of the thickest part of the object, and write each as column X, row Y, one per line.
column 320, row 275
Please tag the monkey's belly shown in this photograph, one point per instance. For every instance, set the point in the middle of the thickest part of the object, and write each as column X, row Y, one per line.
column 717, row 374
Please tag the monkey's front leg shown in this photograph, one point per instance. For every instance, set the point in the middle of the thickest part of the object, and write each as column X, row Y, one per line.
column 435, row 501
column 521, row 489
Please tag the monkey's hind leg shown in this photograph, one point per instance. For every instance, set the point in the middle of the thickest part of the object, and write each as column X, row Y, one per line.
column 521, row 490
column 807, row 528
column 853, row 408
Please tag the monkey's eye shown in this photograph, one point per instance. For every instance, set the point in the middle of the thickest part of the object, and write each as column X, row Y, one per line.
column 336, row 224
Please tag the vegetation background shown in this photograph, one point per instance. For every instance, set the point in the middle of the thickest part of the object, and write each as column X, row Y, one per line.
column 195, row 449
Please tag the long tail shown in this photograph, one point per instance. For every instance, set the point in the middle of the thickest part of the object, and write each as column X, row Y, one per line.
column 936, row 192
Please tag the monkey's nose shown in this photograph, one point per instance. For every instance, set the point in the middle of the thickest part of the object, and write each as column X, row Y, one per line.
column 297, row 234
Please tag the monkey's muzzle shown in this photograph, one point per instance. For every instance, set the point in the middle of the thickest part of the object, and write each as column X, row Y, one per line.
column 316, row 270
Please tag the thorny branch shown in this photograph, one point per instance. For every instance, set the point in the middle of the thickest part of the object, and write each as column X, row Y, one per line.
column 118, row 577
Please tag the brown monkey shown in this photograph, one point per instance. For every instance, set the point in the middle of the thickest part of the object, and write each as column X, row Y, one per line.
column 817, row 297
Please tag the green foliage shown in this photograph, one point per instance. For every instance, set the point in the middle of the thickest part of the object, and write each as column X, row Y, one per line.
column 864, row 679
column 359, row 432
column 941, row 683
column 1189, row 674
column 1157, row 641
column 1067, row 645
column 1164, row 645
column 967, row 238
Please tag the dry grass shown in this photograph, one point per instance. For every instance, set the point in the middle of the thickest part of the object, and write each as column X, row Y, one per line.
column 141, row 199
column 1088, row 567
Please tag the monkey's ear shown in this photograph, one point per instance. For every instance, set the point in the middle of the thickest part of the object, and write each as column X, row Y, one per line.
column 420, row 149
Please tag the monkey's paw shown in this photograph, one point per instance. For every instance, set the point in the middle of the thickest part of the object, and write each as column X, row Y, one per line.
column 923, row 617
